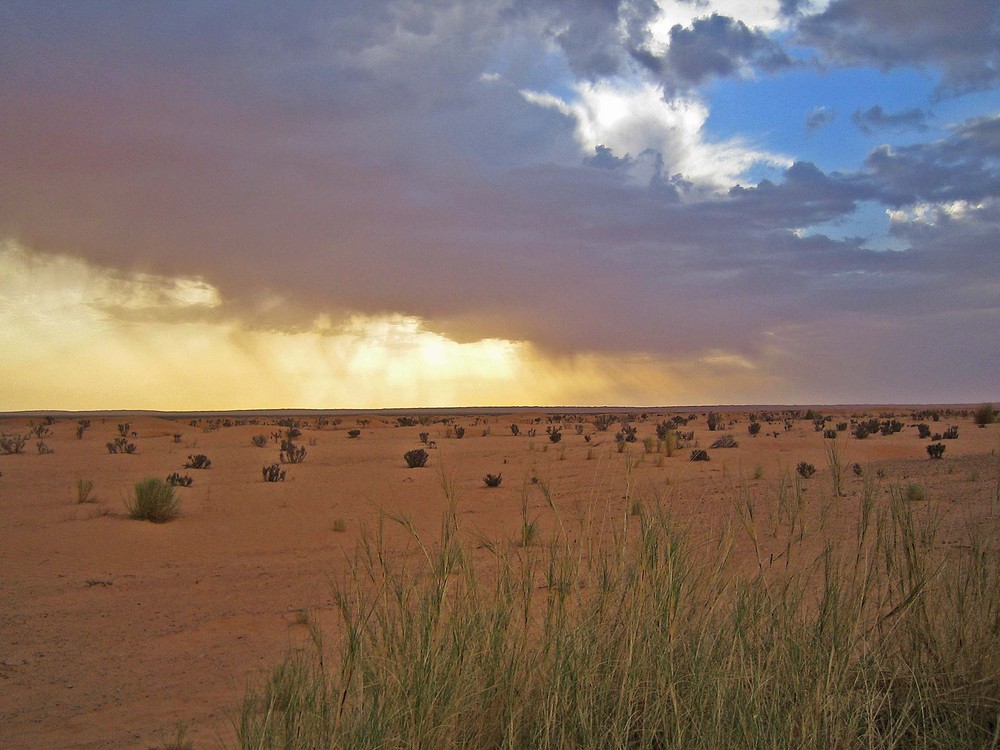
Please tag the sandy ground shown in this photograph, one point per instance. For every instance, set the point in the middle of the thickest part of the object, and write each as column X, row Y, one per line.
column 113, row 631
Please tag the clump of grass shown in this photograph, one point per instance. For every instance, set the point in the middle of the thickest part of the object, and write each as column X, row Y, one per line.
column 725, row 441
column 83, row 489
column 915, row 492
column 340, row 525
column 887, row 640
column 154, row 500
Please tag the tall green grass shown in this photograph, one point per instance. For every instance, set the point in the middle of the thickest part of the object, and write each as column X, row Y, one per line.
column 631, row 635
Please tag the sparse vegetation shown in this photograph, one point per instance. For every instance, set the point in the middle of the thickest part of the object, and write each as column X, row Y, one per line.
column 353, row 434
column 154, row 500
column 725, row 441
column 805, row 469
column 699, row 455
column 936, row 450
column 11, row 444
column 492, row 480
column 259, row 441
column 292, row 453
column 120, row 445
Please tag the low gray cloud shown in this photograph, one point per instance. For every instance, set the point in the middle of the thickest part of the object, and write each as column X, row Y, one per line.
column 712, row 47
column 875, row 118
column 960, row 38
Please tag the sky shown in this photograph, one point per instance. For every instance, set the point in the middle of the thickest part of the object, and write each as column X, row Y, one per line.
column 215, row 205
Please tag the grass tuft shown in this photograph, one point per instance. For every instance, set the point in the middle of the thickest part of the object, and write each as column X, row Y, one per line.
column 154, row 501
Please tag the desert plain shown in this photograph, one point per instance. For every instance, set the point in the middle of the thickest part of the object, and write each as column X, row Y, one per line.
column 115, row 633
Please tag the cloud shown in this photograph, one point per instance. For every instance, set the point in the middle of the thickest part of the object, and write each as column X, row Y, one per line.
column 630, row 118
column 960, row 39
column 718, row 46
column 965, row 166
column 875, row 118
column 818, row 118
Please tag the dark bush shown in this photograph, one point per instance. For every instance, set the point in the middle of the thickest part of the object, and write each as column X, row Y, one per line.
column 714, row 420
column 950, row 434
column 176, row 480
column 273, row 473
column 923, row 431
column 259, row 440
column 416, row 458
column 201, row 461
column 830, row 434
column 754, row 429
column 292, row 453
column 935, row 450
column 353, row 433
column 459, row 433
column 699, row 455
column 554, row 435
column 984, row 415
column 514, row 429
column 492, row 480
column 725, row 441
column 805, row 470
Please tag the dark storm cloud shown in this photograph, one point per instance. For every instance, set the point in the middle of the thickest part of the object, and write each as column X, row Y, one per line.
column 875, row 118
column 961, row 38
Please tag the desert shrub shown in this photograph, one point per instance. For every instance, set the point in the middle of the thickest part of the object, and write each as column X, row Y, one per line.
column 915, row 493
column 861, row 432
column 603, row 421
column 923, row 431
column 292, row 453
column 200, row 461
column 120, row 445
column 492, row 480
column 950, row 434
column 725, row 441
column 819, row 424
column 273, row 473
column 123, row 429
column 984, row 415
column 43, row 449
column 555, row 435
column 424, row 437
column 714, row 421
column 805, row 469
column 699, row 455
column 627, row 434
column 353, row 433
column 841, row 426
column 178, row 480
column 259, row 440
column 416, row 458
column 857, row 469
column 935, row 450
column 515, row 430
column 830, row 434
column 10, row 444
column 754, row 429
column 154, row 500
column 459, row 432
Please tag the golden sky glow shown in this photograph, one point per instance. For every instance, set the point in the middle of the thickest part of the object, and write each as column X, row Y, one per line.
column 77, row 336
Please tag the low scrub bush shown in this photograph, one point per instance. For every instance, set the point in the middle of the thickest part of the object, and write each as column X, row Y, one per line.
column 120, row 445
column 273, row 473
column 353, row 434
column 699, row 455
column 936, row 450
column 805, row 469
column 725, row 441
column 154, row 500
column 178, row 480
column 11, row 444
column 259, row 441
column 416, row 458
column 200, row 461
column 492, row 480
column 984, row 415
column 292, row 453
